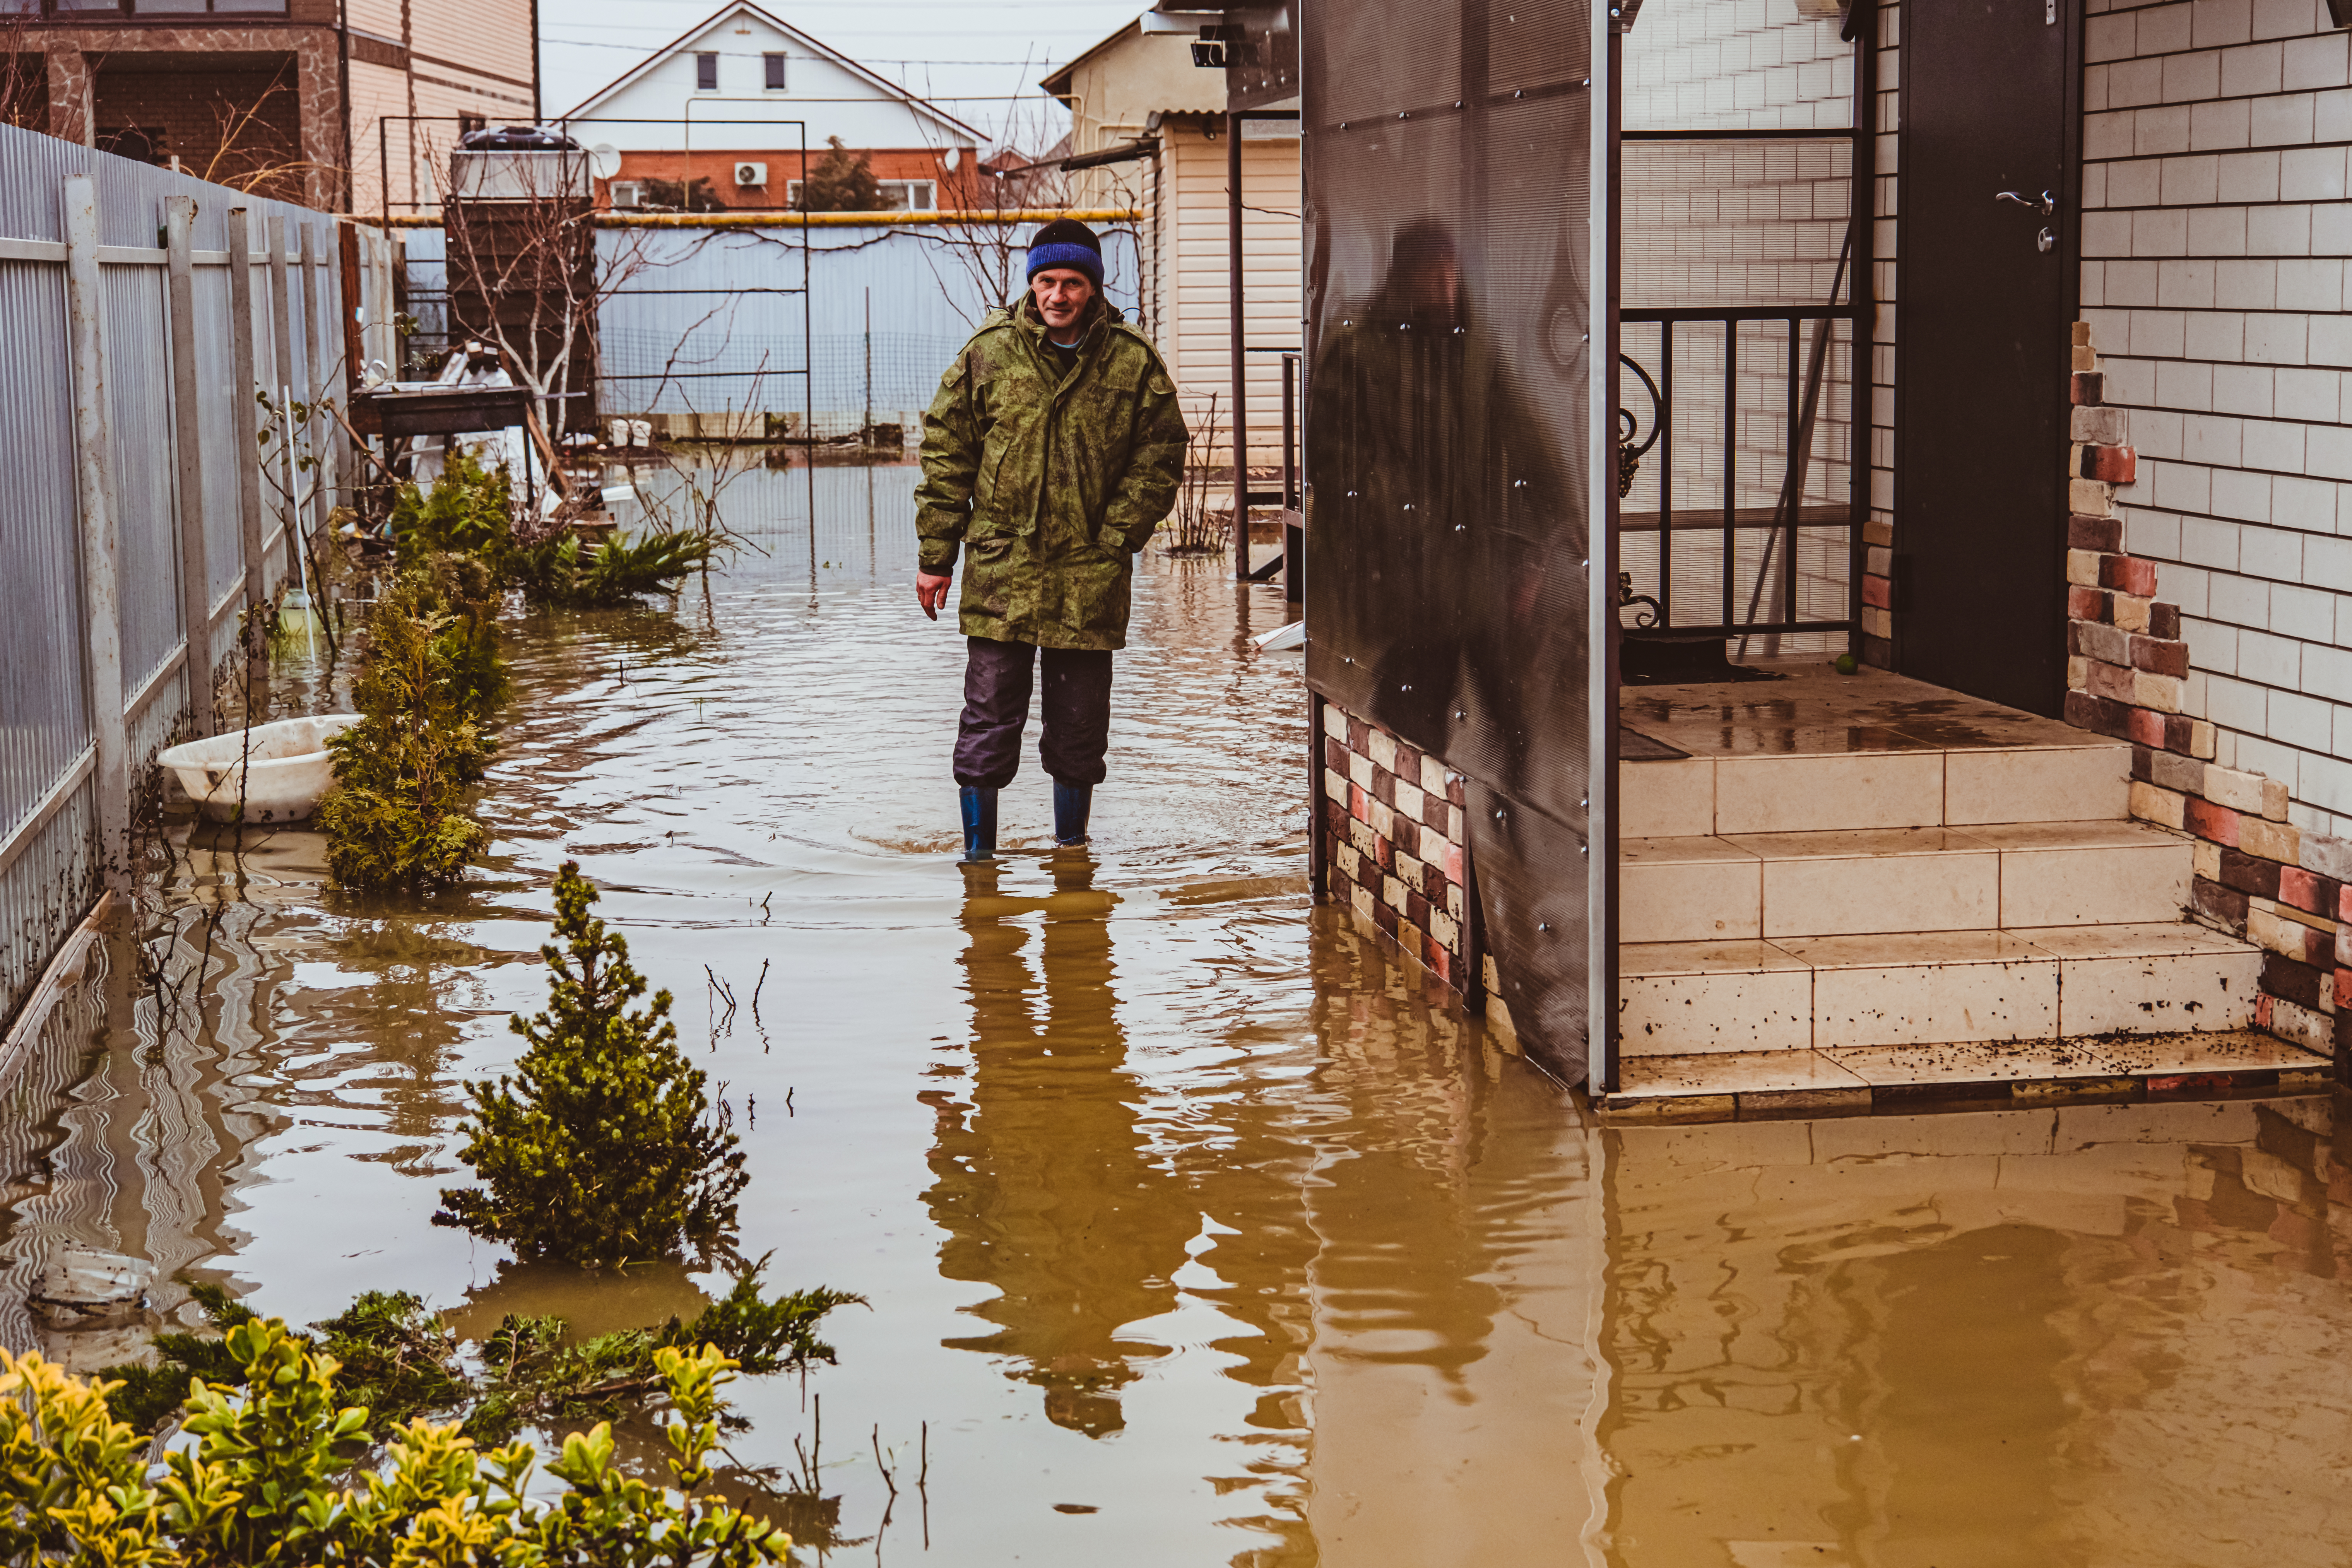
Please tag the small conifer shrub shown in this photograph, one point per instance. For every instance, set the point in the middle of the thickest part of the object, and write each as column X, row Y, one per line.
column 395, row 817
column 602, row 1149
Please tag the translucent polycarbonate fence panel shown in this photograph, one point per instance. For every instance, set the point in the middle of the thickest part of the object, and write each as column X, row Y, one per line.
column 146, row 493
column 1448, row 237
column 1734, row 223
column 1745, row 64
column 688, row 330
column 49, row 874
column 44, row 717
column 217, row 425
column 45, row 890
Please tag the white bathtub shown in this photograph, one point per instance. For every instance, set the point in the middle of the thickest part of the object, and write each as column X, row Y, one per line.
column 281, row 770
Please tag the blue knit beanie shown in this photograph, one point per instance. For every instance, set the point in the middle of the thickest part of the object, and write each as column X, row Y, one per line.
column 1066, row 242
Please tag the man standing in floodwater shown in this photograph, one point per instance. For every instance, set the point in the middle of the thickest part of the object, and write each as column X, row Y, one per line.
column 1053, row 448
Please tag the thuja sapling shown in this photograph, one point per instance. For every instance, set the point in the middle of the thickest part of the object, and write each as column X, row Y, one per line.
column 395, row 817
column 602, row 1149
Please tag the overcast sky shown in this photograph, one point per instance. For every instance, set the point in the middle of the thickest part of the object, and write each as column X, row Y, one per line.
column 980, row 59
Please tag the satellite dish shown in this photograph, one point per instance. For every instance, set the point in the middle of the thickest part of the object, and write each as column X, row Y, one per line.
column 603, row 160
column 954, row 157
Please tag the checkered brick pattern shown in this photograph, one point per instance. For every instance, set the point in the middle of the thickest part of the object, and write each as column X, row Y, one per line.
column 2257, row 876
column 1393, row 819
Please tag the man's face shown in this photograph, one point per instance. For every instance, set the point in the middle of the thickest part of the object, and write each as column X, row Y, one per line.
column 1063, row 294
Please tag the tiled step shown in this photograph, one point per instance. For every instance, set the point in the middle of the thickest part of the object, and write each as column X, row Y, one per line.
column 1730, row 887
column 1811, row 751
column 1848, row 992
column 1739, row 1085
column 1924, row 788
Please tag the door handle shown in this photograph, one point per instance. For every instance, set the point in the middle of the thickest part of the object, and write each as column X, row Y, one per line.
column 2045, row 206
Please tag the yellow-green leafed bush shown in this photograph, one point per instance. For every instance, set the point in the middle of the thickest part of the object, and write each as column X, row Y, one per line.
column 266, row 1483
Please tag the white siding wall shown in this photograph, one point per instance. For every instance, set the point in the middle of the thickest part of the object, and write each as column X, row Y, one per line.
column 2215, row 230
column 643, row 116
column 1193, row 329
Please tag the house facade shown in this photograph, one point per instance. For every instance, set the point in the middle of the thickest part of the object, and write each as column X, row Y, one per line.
column 297, row 98
column 1995, row 349
column 731, row 107
column 1148, row 131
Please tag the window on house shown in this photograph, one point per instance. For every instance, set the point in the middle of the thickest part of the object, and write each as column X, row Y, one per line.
column 469, row 123
column 706, row 72
column 896, row 195
column 776, row 64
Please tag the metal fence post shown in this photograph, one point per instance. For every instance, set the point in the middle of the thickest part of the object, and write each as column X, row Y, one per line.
column 187, row 434
column 94, row 485
column 281, row 327
column 242, row 410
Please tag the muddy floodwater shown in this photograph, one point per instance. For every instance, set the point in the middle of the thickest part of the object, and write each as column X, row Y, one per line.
column 1197, row 1230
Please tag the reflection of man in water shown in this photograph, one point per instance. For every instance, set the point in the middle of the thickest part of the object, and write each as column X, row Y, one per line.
column 1437, row 486
column 1045, row 1185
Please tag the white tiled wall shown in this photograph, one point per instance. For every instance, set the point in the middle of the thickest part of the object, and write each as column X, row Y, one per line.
column 2215, row 232
column 1713, row 64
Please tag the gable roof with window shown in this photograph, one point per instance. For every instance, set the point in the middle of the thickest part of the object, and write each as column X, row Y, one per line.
column 740, row 66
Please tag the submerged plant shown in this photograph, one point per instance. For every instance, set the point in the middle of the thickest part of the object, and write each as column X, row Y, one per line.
column 602, row 1149
column 468, row 511
column 395, row 817
column 558, row 570
column 469, row 514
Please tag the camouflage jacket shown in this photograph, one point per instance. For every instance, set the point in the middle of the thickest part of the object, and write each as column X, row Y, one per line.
column 1051, row 483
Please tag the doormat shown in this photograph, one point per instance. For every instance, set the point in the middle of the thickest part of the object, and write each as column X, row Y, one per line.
column 1670, row 659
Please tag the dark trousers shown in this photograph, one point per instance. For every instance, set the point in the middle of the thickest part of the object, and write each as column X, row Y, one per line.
column 996, row 685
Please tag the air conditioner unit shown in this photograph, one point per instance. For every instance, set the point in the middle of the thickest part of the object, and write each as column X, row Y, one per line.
column 628, row 193
column 750, row 173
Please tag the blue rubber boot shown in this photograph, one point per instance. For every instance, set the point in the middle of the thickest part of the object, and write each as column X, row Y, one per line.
column 979, row 822
column 1071, row 803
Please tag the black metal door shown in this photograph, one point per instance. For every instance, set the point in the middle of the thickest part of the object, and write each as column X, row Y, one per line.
column 1984, row 297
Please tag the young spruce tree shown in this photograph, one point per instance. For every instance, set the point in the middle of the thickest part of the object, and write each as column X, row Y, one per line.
column 602, row 1149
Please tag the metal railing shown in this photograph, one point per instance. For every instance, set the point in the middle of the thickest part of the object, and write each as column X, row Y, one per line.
column 1291, row 562
column 1759, row 593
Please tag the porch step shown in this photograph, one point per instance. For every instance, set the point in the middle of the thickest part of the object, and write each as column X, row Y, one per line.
column 1816, row 752
column 1865, row 882
column 1741, row 1085
column 2048, row 984
column 1859, row 889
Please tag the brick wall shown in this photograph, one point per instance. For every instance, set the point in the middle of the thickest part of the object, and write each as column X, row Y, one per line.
column 2214, row 235
column 2257, row 875
column 225, row 125
column 1395, row 844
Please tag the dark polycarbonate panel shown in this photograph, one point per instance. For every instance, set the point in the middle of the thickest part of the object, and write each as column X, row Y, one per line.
column 1446, row 153
column 1532, row 887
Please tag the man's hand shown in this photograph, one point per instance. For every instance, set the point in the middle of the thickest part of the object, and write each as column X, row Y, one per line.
column 931, row 592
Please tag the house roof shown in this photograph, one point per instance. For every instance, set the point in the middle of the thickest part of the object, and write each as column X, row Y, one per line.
column 1058, row 84
column 883, row 85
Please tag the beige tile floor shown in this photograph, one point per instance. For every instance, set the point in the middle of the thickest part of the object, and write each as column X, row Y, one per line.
column 1812, row 711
